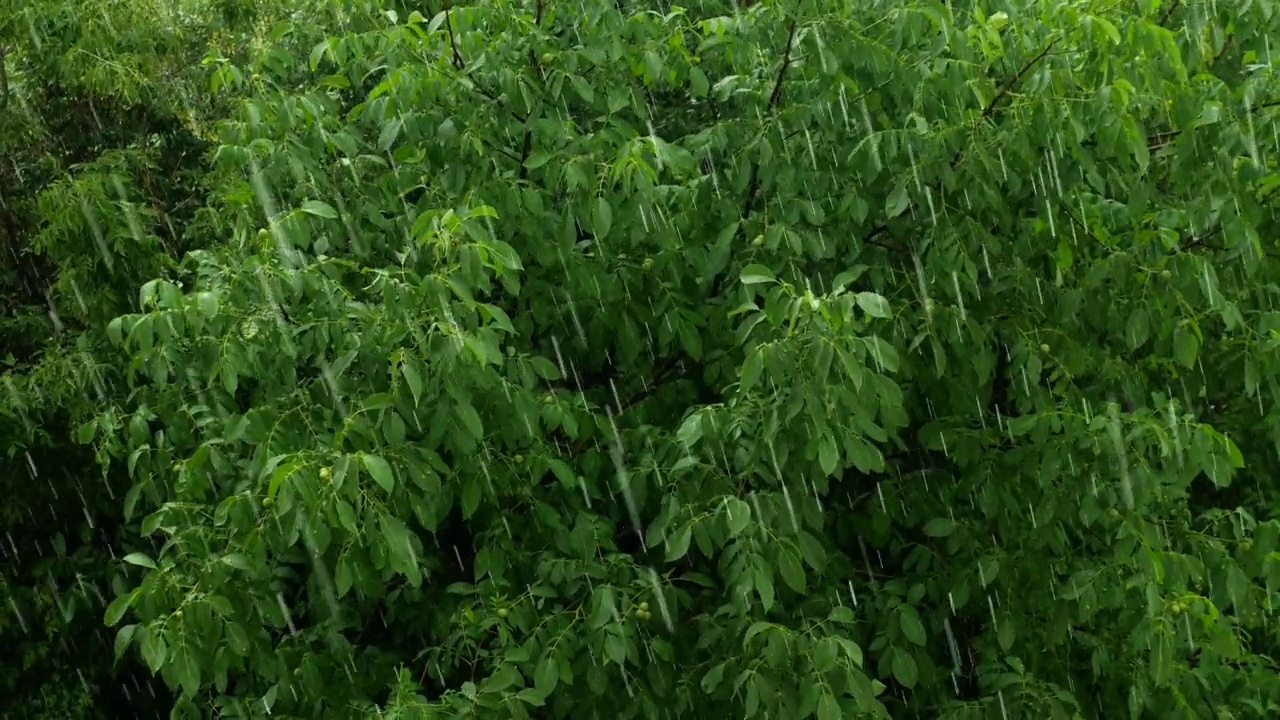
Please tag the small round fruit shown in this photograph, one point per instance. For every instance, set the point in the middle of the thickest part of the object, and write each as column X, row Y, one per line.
column 325, row 473
column 1044, row 347
column 263, row 234
column 519, row 459
column 647, row 264
column 268, row 502
column 178, row 614
column 1246, row 546
column 1112, row 512
column 644, row 607
column 1166, row 274
column 758, row 241
column 502, row 613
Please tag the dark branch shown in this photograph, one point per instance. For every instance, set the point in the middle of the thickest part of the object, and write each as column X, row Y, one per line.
column 1004, row 91
column 4, row 79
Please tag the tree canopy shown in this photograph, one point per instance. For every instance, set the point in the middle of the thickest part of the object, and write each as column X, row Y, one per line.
column 772, row 359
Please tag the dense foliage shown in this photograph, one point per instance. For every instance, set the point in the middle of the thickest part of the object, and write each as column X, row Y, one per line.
column 520, row 359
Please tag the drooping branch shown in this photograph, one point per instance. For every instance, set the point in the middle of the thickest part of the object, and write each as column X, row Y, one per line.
column 526, row 146
column 4, row 78
column 753, row 181
column 1004, row 91
column 753, row 185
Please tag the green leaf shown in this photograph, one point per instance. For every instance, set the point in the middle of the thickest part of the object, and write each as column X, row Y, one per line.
column 470, row 419
column 751, row 369
column 678, row 544
column 828, row 455
column 380, row 471
column 602, row 607
column 791, row 570
column 828, row 707
column 764, row 587
column 698, row 82
column 154, row 649
column 472, row 494
column 1137, row 328
column 537, row 160
column 413, row 379
column 825, row 652
column 123, row 637
column 532, row 696
column 711, row 680
column 117, row 609
column 939, row 527
column 910, row 623
column 904, row 668
column 137, row 558
column 547, row 675
column 615, row 649
column 874, row 305
column 545, row 369
column 1186, row 344
column 603, row 218
column 737, row 516
column 756, row 274
column 237, row 561
column 896, row 203
column 319, row 209
column 390, row 131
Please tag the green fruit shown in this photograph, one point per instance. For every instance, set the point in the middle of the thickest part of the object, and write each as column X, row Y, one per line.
column 1166, row 274
column 1044, row 347
column 648, row 264
column 644, row 607
column 325, row 473
column 519, row 459
column 268, row 502
column 759, row 241
column 263, row 234
column 502, row 612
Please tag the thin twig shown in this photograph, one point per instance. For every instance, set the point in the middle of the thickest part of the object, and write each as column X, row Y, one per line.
column 1004, row 91
column 753, row 185
column 526, row 146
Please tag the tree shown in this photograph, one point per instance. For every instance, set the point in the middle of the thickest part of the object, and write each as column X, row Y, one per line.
column 782, row 359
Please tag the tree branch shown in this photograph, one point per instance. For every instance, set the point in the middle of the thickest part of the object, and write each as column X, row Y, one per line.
column 4, row 78
column 753, row 185
column 1004, row 91
column 527, row 145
